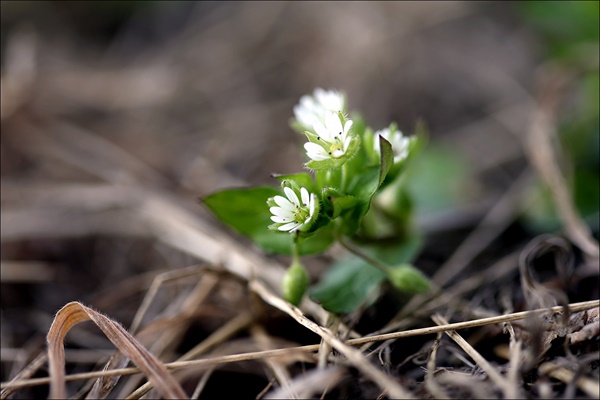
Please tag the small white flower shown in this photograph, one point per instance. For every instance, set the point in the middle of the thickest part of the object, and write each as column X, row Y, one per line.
column 290, row 214
column 313, row 108
column 332, row 138
column 399, row 142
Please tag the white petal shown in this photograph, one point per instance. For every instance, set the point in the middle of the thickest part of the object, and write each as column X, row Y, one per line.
column 291, row 195
column 284, row 203
column 313, row 204
column 337, row 153
column 305, row 196
column 281, row 220
column 318, row 157
column 316, row 152
column 333, row 123
column 281, row 212
column 321, row 131
column 347, row 127
column 347, row 143
column 289, row 227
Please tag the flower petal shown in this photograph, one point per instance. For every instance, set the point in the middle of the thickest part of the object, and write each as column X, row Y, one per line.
column 289, row 227
column 333, row 124
column 291, row 195
column 284, row 203
column 321, row 131
column 280, row 220
column 316, row 152
column 281, row 212
column 347, row 127
column 312, row 204
column 305, row 197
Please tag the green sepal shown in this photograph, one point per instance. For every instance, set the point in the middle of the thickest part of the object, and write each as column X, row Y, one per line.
column 301, row 179
column 333, row 163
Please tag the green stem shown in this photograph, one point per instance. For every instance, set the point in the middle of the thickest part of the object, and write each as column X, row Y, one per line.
column 295, row 257
column 344, row 178
column 358, row 252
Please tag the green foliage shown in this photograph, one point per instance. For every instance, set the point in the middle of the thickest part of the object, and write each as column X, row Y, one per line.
column 570, row 34
column 346, row 285
column 438, row 180
column 341, row 199
column 349, row 283
column 565, row 25
column 245, row 211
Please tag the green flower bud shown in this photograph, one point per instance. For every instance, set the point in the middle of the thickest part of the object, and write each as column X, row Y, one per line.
column 295, row 283
column 408, row 279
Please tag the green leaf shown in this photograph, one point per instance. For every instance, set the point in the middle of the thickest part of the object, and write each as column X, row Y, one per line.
column 438, row 180
column 364, row 183
column 394, row 251
column 346, row 285
column 246, row 211
column 349, row 209
column 386, row 161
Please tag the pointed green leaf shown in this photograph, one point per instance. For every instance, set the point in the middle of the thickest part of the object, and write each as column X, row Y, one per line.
column 246, row 211
column 386, row 161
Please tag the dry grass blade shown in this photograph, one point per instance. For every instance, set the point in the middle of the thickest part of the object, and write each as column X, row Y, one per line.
column 355, row 357
column 26, row 373
column 573, row 307
column 309, row 384
column 74, row 313
column 541, row 148
column 494, row 375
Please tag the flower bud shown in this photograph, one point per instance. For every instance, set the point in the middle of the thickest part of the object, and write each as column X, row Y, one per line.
column 295, row 283
column 408, row 279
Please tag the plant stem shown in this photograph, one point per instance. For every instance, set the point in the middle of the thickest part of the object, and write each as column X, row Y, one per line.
column 358, row 252
column 344, row 175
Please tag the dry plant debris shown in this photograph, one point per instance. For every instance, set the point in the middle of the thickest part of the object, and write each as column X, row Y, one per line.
column 106, row 148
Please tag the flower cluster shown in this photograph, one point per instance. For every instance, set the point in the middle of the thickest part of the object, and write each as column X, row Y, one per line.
column 349, row 193
column 332, row 142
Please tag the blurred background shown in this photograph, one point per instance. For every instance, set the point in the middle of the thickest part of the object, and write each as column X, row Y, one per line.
column 190, row 97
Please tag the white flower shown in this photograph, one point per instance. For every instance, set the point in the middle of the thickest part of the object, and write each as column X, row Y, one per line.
column 290, row 214
column 332, row 138
column 313, row 108
column 399, row 142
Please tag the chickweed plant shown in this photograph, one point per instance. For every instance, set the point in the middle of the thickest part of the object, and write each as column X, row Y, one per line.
column 352, row 192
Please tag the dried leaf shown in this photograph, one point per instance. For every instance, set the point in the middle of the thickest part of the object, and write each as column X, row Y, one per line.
column 74, row 313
